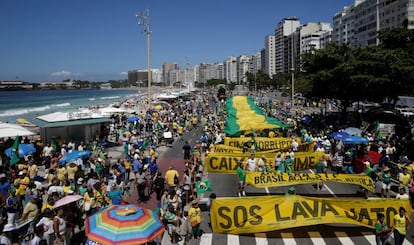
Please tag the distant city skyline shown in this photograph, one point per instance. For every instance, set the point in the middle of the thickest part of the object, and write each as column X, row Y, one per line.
column 99, row 40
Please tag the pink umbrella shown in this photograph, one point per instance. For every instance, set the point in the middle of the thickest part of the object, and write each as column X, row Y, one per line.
column 67, row 199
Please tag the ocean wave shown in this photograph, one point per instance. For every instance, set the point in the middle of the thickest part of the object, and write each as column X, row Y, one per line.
column 62, row 104
column 109, row 97
column 18, row 112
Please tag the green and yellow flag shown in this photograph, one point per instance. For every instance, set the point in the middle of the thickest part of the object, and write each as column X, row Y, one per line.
column 15, row 159
column 243, row 115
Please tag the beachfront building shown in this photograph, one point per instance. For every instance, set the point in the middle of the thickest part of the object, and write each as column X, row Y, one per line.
column 209, row 71
column 77, row 125
column 313, row 36
column 244, row 65
column 166, row 68
column 359, row 23
column 284, row 44
column 256, row 62
column 230, row 69
column 269, row 56
column 284, row 49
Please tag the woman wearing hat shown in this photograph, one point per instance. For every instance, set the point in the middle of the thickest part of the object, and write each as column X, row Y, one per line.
column 194, row 214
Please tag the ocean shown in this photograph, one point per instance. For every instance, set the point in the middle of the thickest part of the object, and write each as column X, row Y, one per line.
column 30, row 104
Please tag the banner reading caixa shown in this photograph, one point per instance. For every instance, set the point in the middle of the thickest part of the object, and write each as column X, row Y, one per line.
column 262, row 180
column 269, row 213
column 303, row 147
column 228, row 162
column 263, row 143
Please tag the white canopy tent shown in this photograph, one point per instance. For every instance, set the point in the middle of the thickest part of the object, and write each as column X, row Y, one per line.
column 13, row 130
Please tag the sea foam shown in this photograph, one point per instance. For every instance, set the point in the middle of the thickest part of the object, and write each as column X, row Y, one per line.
column 23, row 111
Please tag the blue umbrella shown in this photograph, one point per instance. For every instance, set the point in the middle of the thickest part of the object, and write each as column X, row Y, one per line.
column 132, row 119
column 355, row 140
column 74, row 155
column 306, row 119
column 353, row 131
column 340, row 135
column 24, row 150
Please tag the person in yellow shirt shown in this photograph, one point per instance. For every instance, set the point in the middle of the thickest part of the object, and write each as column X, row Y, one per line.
column 180, row 131
column 50, row 204
column 32, row 169
column 67, row 188
column 194, row 214
column 61, row 173
column 401, row 222
column 404, row 178
column 152, row 153
column 194, row 121
column 71, row 170
column 175, row 127
column 22, row 181
column 170, row 176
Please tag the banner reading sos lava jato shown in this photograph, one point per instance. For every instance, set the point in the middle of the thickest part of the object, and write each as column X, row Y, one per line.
column 269, row 213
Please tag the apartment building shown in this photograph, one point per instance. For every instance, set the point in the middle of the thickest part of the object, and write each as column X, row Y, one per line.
column 230, row 69
column 359, row 23
column 284, row 44
column 269, row 55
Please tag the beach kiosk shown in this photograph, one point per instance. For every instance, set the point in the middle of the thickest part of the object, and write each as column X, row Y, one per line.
column 77, row 125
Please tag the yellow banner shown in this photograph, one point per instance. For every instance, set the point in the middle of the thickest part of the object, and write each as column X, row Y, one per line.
column 304, row 147
column 263, row 143
column 269, row 213
column 261, row 180
column 228, row 162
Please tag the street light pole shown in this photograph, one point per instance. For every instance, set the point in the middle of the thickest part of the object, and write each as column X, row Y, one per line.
column 144, row 20
column 293, row 67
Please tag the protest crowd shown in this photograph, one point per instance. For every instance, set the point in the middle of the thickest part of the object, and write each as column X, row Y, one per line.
column 30, row 187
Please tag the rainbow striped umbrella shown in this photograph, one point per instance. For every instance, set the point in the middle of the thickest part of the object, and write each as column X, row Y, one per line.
column 123, row 225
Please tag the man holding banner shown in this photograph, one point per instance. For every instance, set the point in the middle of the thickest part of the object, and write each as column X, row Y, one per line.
column 241, row 175
column 321, row 168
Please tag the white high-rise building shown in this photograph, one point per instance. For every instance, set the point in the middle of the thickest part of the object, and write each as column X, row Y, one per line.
column 230, row 69
column 244, row 65
column 257, row 62
column 269, row 59
column 314, row 36
column 359, row 23
column 284, row 45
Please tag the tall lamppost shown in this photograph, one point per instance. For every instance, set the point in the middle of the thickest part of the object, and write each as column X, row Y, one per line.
column 144, row 20
column 293, row 64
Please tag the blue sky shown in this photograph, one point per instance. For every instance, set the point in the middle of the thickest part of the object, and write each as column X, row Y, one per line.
column 98, row 40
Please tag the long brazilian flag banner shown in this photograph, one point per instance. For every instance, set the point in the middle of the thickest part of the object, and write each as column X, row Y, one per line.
column 269, row 213
column 244, row 115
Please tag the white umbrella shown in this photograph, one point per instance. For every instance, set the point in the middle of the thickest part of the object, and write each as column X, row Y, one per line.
column 12, row 130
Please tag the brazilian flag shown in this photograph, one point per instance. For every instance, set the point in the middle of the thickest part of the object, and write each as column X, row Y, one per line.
column 15, row 159
column 203, row 186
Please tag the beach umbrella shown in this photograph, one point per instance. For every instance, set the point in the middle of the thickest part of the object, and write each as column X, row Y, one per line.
column 340, row 135
column 67, row 200
column 132, row 119
column 23, row 150
column 74, row 155
column 306, row 119
column 355, row 140
column 123, row 225
column 353, row 131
